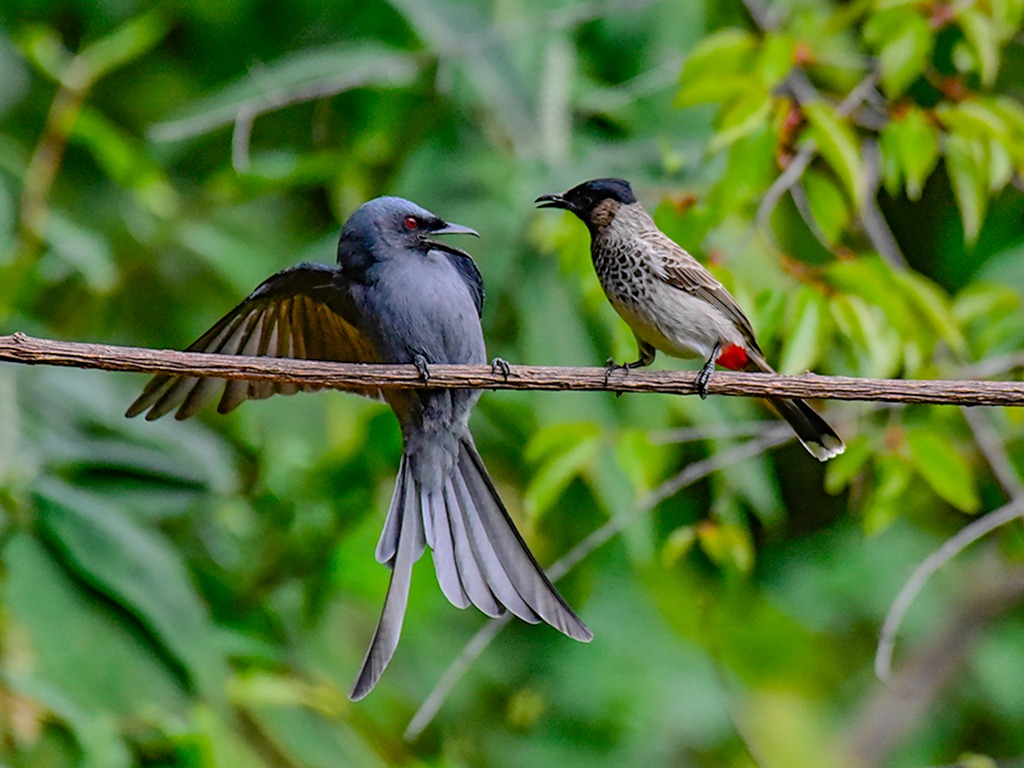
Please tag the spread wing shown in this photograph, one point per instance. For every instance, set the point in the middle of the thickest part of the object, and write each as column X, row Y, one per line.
column 685, row 273
column 298, row 313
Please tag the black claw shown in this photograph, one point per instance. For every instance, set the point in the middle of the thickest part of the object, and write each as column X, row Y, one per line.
column 501, row 366
column 704, row 375
column 423, row 367
column 610, row 367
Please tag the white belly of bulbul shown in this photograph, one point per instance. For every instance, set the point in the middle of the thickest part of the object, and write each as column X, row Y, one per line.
column 676, row 322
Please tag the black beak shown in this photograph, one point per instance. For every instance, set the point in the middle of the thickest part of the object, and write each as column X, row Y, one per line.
column 553, row 201
column 454, row 229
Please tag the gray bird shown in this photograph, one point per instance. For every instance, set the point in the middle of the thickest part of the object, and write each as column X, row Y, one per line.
column 671, row 302
column 395, row 296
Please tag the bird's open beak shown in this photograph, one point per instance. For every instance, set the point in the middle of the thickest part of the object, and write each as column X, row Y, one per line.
column 553, row 201
column 454, row 229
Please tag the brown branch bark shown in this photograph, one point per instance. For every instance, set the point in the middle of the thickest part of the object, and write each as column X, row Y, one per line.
column 20, row 348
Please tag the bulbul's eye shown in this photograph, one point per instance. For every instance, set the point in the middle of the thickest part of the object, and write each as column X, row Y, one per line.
column 411, row 222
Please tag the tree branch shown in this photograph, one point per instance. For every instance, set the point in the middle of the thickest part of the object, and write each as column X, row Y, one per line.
column 20, row 348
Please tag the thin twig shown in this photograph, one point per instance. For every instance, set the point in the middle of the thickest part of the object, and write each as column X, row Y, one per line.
column 992, row 448
column 894, row 710
column 479, row 642
column 871, row 218
column 966, row 536
column 19, row 348
column 721, row 430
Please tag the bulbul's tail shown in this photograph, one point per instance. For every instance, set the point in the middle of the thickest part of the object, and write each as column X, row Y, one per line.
column 813, row 431
column 479, row 556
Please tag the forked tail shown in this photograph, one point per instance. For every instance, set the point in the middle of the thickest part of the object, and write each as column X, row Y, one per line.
column 479, row 556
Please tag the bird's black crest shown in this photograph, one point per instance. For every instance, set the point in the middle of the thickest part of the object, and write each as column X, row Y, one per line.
column 584, row 198
column 603, row 189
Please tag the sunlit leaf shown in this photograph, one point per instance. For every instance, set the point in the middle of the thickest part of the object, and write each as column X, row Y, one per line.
column 911, row 143
column 903, row 40
column 981, row 40
column 716, row 69
column 933, row 306
column 727, row 544
column 838, row 145
column 802, row 345
column 944, row 468
column 741, row 117
column 679, row 544
column 829, row 207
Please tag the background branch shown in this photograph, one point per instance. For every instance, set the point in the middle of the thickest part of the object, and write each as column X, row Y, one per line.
column 20, row 348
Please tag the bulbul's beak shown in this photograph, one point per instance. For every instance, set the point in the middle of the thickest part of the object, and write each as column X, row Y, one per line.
column 454, row 229
column 553, row 201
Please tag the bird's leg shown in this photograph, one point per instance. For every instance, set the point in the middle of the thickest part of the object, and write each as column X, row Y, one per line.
column 647, row 353
column 500, row 366
column 422, row 366
column 704, row 376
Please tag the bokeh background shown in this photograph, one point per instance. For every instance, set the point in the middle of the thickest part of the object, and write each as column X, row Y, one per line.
column 202, row 593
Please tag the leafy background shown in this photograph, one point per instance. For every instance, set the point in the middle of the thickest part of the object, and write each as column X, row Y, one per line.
column 201, row 593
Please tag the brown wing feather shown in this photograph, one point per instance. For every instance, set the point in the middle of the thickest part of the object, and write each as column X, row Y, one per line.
column 685, row 273
column 298, row 313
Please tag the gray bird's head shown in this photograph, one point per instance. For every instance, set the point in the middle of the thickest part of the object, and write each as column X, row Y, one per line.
column 382, row 226
column 595, row 202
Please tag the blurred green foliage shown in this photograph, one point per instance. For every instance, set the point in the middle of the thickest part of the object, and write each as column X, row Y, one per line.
column 200, row 594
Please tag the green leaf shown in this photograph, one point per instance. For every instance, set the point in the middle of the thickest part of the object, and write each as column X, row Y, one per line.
column 981, row 42
column 910, row 143
column 840, row 471
column 974, row 118
column 138, row 571
column 775, row 58
column 741, row 117
column 801, row 348
column 838, row 145
column 967, row 165
column 829, row 206
column 728, row 545
column 903, row 40
column 1007, row 16
column 82, row 249
column 933, row 306
column 128, row 42
column 944, row 468
column 95, row 731
column 87, row 650
column 561, row 454
column 717, row 69
column 888, row 499
column 125, row 161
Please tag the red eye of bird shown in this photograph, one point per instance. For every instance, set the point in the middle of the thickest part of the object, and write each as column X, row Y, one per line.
column 411, row 222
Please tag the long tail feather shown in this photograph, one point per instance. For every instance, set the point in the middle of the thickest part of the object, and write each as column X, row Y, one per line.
column 504, row 550
column 389, row 627
column 820, row 440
